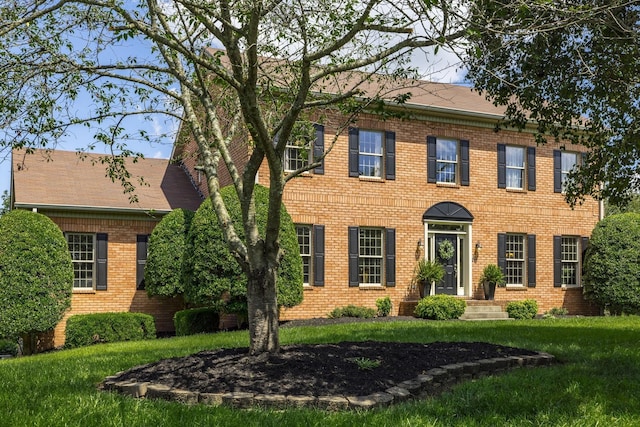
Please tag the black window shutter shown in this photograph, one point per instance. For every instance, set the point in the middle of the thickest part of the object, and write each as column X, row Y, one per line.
column 557, row 171
column 354, row 274
column 531, row 168
column 502, row 252
column 142, row 243
column 318, row 255
column 354, row 152
column 431, row 159
column 390, row 255
column 101, row 261
column 318, row 148
column 502, row 166
column 557, row 261
column 531, row 260
column 464, row 162
column 390, row 155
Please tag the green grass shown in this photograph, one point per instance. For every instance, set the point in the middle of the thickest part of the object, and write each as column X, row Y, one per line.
column 597, row 383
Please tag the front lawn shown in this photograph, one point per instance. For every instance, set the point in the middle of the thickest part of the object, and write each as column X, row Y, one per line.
column 596, row 383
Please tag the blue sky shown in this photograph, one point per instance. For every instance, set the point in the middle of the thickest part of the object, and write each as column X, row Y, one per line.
column 443, row 69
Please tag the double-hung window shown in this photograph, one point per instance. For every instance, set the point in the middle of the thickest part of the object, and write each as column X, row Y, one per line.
column 446, row 161
column 563, row 163
column 515, row 167
column 83, row 257
column 311, row 244
column 372, row 154
column 514, row 254
column 372, row 253
column 296, row 156
column 306, row 144
column 568, row 252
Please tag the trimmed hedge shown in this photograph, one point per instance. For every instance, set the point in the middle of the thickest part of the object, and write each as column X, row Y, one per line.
column 440, row 307
column 526, row 309
column 196, row 321
column 352, row 311
column 87, row 329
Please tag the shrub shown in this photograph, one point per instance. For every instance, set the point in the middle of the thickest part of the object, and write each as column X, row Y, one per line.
column 212, row 275
column 36, row 278
column 167, row 243
column 8, row 347
column 611, row 268
column 526, row 309
column 440, row 307
column 196, row 321
column 384, row 306
column 87, row 329
column 352, row 311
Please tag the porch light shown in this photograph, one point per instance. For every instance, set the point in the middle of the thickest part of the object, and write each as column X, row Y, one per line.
column 419, row 243
column 478, row 246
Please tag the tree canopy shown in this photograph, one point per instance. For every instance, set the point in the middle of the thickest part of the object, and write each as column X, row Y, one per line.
column 573, row 67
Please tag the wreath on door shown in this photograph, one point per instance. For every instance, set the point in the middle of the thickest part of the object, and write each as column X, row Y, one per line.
column 445, row 250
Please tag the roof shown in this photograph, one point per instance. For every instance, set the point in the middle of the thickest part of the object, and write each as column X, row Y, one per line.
column 64, row 180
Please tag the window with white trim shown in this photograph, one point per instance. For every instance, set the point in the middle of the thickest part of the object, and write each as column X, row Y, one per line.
column 515, row 259
column 304, row 242
column 446, row 161
column 515, row 167
column 570, row 261
column 370, row 150
column 370, row 259
column 82, row 251
column 296, row 156
column 568, row 161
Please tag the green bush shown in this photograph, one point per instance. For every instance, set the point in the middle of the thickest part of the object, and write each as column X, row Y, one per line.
column 196, row 321
column 8, row 347
column 36, row 276
column 526, row 309
column 440, row 307
column 352, row 311
column 212, row 275
column 384, row 306
column 612, row 268
column 87, row 329
column 167, row 243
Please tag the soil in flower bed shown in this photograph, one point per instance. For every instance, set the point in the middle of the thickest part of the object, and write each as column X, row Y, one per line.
column 345, row 368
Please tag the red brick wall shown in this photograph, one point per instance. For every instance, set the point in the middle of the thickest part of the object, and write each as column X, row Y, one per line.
column 337, row 201
column 121, row 293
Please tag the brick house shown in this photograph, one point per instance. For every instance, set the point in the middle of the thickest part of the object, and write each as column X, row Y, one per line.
column 392, row 191
column 107, row 234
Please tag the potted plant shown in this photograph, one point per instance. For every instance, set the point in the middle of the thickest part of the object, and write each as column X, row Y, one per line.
column 491, row 276
column 428, row 272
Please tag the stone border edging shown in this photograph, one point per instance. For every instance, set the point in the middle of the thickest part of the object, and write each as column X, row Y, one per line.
column 429, row 383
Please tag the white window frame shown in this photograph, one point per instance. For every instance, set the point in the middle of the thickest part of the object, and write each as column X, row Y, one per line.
column 570, row 260
column 371, row 257
column 446, row 162
column 519, row 168
column 378, row 170
column 515, row 265
column 82, row 276
column 304, row 233
column 564, row 171
column 293, row 154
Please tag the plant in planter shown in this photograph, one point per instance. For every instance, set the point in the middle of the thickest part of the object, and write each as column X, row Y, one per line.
column 427, row 272
column 491, row 276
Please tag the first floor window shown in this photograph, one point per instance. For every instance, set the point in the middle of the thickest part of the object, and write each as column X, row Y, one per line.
column 370, row 256
column 304, row 242
column 515, row 259
column 82, row 251
column 570, row 261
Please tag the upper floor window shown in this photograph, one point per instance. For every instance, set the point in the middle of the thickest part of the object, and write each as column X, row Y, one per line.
column 296, row 156
column 563, row 163
column 302, row 149
column 516, row 167
column 372, row 153
column 447, row 161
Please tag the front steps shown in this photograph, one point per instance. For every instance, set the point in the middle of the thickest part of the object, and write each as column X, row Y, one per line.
column 483, row 310
column 476, row 310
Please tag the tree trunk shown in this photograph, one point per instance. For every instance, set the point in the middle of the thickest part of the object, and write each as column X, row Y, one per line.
column 263, row 312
